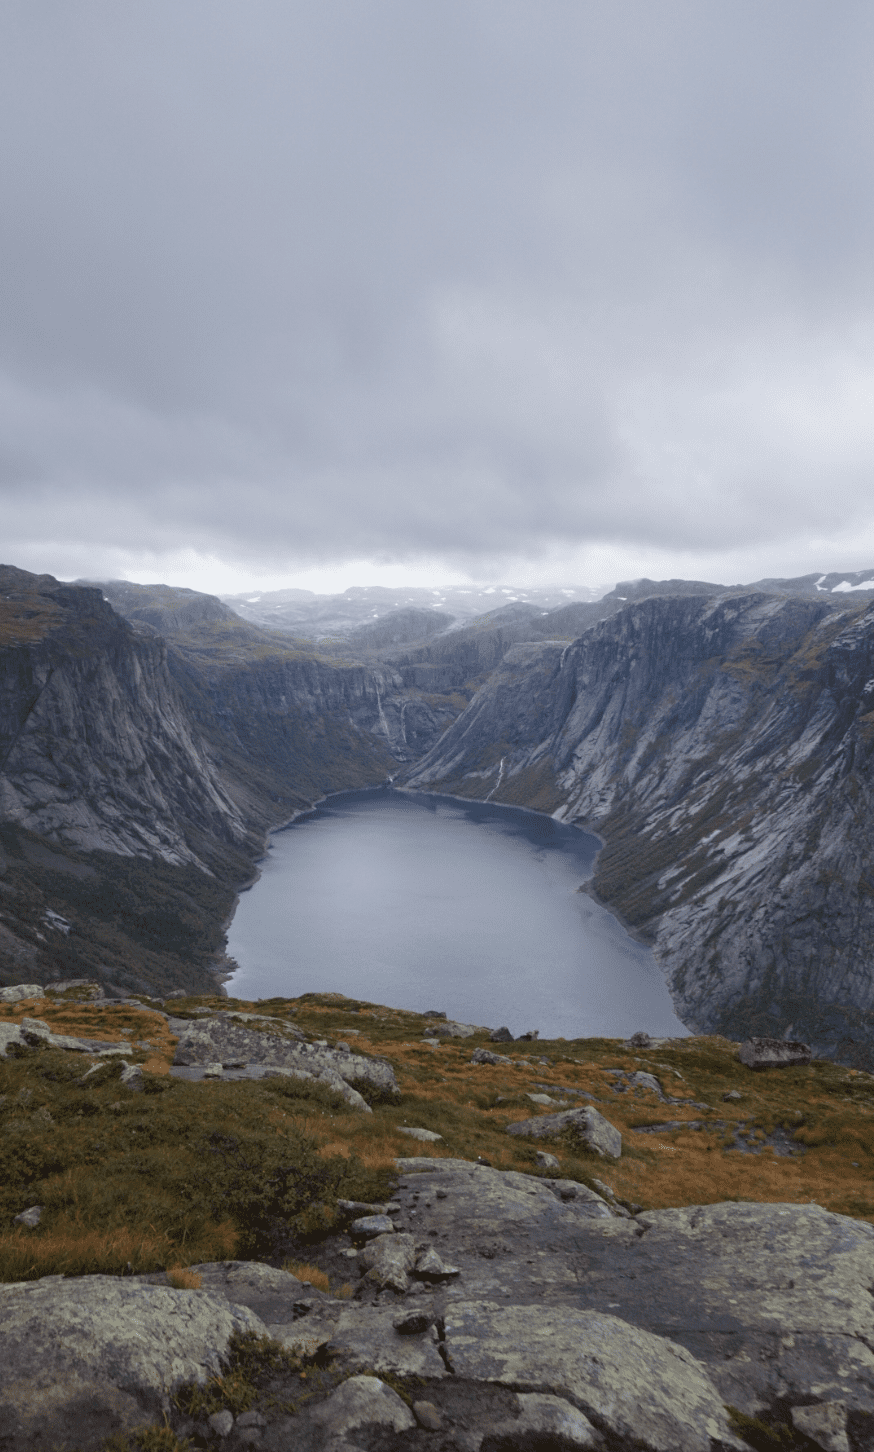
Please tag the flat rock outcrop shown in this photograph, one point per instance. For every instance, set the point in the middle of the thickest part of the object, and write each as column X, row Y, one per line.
column 557, row 1316
column 238, row 1042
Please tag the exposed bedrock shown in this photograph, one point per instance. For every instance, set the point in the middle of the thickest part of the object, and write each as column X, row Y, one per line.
column 722, row 748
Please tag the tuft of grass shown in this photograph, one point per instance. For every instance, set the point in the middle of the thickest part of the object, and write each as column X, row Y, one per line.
column 146, row 1439
column 306, row 1272
column 184, row 1279
column 253, row 1363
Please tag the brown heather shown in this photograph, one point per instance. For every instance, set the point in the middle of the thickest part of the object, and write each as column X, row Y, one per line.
column 185, row 1173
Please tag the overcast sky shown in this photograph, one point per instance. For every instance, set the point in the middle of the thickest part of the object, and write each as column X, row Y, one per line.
column 383, row 290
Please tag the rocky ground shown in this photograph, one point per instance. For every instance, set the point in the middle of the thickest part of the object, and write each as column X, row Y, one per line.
column 524, row 1303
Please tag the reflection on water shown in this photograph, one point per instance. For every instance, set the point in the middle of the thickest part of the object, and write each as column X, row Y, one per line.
column 424, row 901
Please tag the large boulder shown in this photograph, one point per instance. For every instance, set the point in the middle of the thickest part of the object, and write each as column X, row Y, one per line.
column 81, row 1359
column 774, row 1053
column 20, row 991
column 587, row 1126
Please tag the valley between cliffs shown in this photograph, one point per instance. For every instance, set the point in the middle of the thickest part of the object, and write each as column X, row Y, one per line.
column 719, row 742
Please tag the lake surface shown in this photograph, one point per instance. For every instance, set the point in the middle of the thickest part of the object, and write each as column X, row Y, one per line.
column 429, row 902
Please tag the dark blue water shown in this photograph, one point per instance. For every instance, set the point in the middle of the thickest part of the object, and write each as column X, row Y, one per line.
column 423, row 901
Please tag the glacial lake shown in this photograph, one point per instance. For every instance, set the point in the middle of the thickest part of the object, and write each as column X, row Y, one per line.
column 426, row 902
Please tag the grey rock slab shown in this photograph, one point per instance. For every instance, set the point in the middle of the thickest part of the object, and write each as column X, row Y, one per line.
column 546, row 1421
column 774, row 1299
column 632, row 1384
column 427, row 1136
column 79, row 1357
column 585, row 1125
column 363, row 1401
column 366, row 1336
column 20, row 991
column 221, row 1038
column 268, row 1292
column 450, row 1029
column 825, row 1425
column 198, row 1072
column 368, row 1226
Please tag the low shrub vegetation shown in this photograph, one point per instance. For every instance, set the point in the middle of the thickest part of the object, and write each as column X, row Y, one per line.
column 192, row 1172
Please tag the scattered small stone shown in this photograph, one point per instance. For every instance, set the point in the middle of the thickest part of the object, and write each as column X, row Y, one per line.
column 733, row 1094
column 486, row 1056
column 222, row 1423
column 501, row 1036
column 427, row 1135
column 29, row 1218
column 432, row 1267
column 132, row 1077
column 528, row 1037
column 428, row 1416
column 640, row 1040
column 369, row 1226
column 547, row 1161
column 362, row 1400
column 355, row 1208
column 586, row 1125
column 250, row 1419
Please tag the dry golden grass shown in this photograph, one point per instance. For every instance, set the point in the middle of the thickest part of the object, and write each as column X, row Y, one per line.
column 309, row 1273
column 183, row 1278
column 111, row 1023
column 122, row 1175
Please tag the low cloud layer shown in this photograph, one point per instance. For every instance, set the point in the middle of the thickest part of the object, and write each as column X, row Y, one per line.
column 482, row 286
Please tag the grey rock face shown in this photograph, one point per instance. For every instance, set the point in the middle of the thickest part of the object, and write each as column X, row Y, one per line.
column 223, row 1038
column 586, row 1125
column 639, row 1386
column 721, row 748
column 80, row 1357
column 774, row 1053
column 772, row 1299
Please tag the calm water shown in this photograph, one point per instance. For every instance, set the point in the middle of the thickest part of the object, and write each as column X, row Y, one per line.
column 423, row 901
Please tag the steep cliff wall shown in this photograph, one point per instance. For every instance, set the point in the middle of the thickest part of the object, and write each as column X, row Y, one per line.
column 722, row 748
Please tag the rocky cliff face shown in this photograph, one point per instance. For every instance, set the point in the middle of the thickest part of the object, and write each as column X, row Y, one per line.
column 722, row 748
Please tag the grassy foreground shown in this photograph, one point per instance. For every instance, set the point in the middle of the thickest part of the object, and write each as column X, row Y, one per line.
column 185, row 1172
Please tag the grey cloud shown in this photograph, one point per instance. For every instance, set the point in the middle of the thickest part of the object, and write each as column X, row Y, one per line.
column 298, row 282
